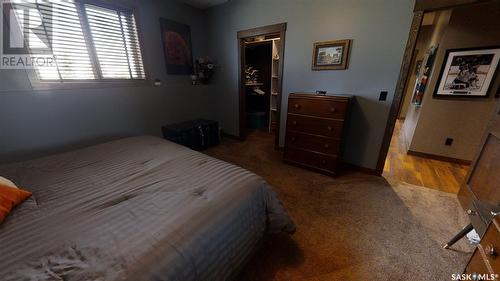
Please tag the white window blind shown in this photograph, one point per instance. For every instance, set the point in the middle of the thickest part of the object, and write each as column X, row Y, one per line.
column 69, row 45
column 66, row 38
column 89, row 42
column 116, row 43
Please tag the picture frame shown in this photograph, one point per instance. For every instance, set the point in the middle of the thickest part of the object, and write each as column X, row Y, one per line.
column 467, row 72
column 176, row 38
column 424, row 73
column 418, row 66
column 331, row 55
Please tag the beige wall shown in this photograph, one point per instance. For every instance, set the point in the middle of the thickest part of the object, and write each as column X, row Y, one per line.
column 441, row 21
column 464, row 120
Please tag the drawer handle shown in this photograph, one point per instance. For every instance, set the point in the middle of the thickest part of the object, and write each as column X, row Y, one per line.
column 333, row 110
column 330, row 128
column 294, row 122
column 297, row 106
column 491, row 251
column 327, row 146
column 471, row 212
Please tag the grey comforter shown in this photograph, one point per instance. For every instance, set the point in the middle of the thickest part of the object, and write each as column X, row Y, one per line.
column 135, row 209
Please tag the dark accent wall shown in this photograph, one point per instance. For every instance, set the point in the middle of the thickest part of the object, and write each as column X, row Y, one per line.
column 37, row 122
column 34, row 123
column 379, row 30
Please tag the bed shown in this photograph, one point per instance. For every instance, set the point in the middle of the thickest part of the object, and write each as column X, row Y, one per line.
column 139, row 208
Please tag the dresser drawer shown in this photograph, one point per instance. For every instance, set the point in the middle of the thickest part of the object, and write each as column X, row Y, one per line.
column 475, row 216
column 490, row 245
column 313, row 143
column 319, row 161
column 315, row 130
column 318, row 107
column 476, row 264
column 315, row 126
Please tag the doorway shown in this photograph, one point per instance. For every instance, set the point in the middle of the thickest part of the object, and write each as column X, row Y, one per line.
column 261, row 80
column 422, row 170
column 434, row 139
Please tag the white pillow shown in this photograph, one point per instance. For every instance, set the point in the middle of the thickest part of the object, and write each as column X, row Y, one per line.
column 7, row 182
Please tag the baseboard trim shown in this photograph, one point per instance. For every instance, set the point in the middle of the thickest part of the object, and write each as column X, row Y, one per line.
column 439, row 157
column 357, row 168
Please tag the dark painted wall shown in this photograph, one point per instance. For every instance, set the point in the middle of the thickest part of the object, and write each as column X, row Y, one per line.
column 379, row 29
column 39, row 122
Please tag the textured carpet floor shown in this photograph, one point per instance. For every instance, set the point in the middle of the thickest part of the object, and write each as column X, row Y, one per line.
column 354, row 227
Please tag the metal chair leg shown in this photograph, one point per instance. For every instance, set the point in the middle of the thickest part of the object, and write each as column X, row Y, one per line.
column 459, row 236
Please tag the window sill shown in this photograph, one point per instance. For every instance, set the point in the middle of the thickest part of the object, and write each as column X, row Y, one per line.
column 74, row 85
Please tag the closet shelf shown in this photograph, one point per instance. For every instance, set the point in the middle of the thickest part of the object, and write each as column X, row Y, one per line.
column 253, row 84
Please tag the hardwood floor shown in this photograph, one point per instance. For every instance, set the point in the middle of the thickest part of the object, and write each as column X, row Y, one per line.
column 435, row 174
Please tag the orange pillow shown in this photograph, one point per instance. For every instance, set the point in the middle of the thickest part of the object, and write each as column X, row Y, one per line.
column 9, row 198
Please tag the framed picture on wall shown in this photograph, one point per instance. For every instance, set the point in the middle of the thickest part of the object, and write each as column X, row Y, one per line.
column 467, row 72
column 424, row 73
column 331, row 55
column 176, row 39
column 418, row 65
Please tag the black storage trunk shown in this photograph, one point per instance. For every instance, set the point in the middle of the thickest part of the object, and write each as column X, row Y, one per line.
column 196, row 134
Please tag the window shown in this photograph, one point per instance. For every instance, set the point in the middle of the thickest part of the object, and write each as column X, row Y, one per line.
column 90, row 43
column 115, row 40
column 69, row 45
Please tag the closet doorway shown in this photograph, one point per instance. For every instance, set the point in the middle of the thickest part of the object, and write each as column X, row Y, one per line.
column 261, row 52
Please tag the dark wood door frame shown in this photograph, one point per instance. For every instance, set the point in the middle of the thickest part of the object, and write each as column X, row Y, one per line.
column 418, row 16
column 280, row 29
column 421, row 6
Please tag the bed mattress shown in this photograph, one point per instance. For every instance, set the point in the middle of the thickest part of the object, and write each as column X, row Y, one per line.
column 135, row 209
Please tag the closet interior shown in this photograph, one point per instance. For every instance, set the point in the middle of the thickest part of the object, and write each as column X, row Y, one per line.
column 262, row 82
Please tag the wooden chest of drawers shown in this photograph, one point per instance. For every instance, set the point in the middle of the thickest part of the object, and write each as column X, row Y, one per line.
column 486, row 257
column 315, row 130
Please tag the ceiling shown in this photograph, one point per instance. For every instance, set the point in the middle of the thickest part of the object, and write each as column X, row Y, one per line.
column 204, row 4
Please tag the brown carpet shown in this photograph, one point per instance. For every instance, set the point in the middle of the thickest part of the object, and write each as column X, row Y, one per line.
column 354, row 227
